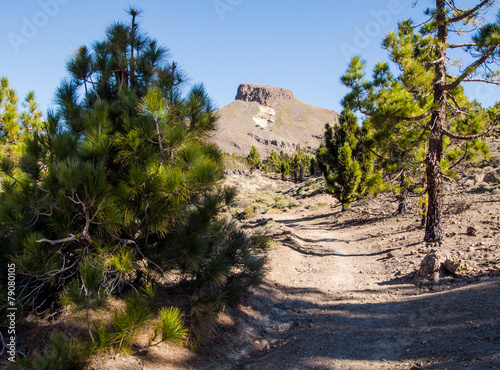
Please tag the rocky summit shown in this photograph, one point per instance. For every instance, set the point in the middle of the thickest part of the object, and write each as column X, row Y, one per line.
column 270, row 118
column 264, row 95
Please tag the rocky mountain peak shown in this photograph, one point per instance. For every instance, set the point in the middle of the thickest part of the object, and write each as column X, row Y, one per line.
column 270, row 118
column 264, row 95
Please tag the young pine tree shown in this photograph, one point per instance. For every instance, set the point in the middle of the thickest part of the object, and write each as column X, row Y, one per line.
column 338, row 159
column 299, row 165
column 253, row 159
column 273, row 162
column 284, row 170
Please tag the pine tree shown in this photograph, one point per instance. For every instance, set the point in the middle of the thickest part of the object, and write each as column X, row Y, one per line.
column 313, row 166
column 426, row 101
column 273, row 162
column 284, row 170
column 338, row 160
column 394, row 145
column 300, row 162
column 9, row 116
column 253, row 159
column 122, row 171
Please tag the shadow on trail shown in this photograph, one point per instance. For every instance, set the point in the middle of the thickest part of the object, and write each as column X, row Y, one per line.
column 316, row 249
column 452, row 329
column 298, row 221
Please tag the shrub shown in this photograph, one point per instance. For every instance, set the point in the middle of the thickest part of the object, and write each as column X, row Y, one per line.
column 170, row 327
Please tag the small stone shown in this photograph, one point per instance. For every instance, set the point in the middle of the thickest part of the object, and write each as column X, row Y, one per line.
column 451, row 266
column 472, row 231
column 261, row 345
column 394, row 253
column 283, row 327
column 430, row 263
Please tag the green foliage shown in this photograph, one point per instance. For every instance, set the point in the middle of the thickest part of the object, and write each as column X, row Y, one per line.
column 299, row 165
column 9, row 117
column 421, row 117
column 61, row 353
column 313, row 166
column 272, row 163
column 234, row 161
column 253, row 159
column 127, row 322
column 339, row 159
column 86, row 293
column 119, row 184
column 399, row 146
column 284, row 170
column 170, row 327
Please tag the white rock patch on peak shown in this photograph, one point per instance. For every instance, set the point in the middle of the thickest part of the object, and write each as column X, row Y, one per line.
column 265, row 117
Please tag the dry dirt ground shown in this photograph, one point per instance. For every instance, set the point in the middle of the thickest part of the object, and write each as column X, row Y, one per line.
column 341, row 293
column 340, row 290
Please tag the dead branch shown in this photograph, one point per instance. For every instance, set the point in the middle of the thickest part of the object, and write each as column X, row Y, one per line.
column 70, row 238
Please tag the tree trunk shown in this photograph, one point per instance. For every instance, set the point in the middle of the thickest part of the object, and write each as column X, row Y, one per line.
column 402, row 206
column 433, row 227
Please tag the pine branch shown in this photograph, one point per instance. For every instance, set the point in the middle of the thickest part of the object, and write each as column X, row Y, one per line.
column 469, row 13
column 464, row 156
column 465, row 44
column 452, row 6
column 457, row 106
column 417, row 118
column 470, row 137
column 493, row 82
column 143, row 256
column 158, row 132
column 469, row 70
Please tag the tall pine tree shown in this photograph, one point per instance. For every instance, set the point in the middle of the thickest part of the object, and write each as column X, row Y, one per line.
column 122, row 169
column 425, row 104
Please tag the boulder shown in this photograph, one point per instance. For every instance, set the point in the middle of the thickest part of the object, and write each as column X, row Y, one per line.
column 492, row 177
column 429, row 268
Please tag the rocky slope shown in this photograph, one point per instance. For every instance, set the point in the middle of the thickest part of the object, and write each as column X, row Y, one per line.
column 270, row 118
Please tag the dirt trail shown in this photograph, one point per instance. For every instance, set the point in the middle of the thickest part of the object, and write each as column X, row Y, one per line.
column 330, row 302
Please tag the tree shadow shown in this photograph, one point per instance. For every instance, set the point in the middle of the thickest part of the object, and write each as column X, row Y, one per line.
column 360, row 221
column 298, row 221
column 458, row 328
column 313, row 250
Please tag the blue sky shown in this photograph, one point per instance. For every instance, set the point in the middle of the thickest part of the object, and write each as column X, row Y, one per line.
column 301, row 45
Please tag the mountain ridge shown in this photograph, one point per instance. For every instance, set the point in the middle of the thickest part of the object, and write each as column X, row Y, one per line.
column 270, row 118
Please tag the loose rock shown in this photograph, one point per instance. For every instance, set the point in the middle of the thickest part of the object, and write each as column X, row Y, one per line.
column 472, row 231
column 451, row 265
column 428, row 267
